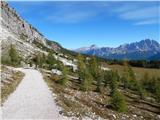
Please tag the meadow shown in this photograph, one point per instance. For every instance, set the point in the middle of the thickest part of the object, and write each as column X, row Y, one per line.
column 139, row 72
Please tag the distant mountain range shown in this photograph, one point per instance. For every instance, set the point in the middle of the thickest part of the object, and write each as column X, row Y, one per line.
column 143, row 50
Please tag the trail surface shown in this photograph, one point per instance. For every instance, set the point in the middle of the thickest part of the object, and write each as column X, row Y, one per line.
column 31, row 100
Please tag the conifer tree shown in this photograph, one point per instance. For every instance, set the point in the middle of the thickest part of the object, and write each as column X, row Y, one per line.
column 64, row 80
column 94, row 67
column 157, row 89
column 81, row 66
column 84, row 75
column 118, row 102
column 50, row 60
column 37, row 60
column 128, row 78
column 100, row 79
column 86, row 82
column 14, row 57
column 107, row 77
column 114, row 82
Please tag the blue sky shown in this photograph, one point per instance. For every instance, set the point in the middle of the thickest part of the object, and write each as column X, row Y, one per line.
column 79, row 24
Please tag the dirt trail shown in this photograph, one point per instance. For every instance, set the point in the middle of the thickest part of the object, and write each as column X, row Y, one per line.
column 31, row 100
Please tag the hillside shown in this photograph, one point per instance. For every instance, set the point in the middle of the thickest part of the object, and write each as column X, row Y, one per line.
column 16, row 31
column 43, row 80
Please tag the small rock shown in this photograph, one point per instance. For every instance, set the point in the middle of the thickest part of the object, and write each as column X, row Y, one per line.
column 60, row 112
column 114, row 116
column 134, row 115
column 141, row 116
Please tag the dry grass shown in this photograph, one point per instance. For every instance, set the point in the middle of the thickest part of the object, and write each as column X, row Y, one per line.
column 138, row 71
column 7, row 89
column 76, row 103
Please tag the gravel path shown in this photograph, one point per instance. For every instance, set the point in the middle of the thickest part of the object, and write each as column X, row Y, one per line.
column 31, row 100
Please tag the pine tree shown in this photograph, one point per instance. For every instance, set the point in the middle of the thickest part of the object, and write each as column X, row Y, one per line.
column 14, row 57
column 100, row 80
column 81, row 66
column 107, row 77
column 125, row 75
column 64, row 80
column 37, row 60
column 118, row 102
column 97, row 73
column 86, row 82
column 157, row 90
column 50, row 58
column 141, row 91
column 128, row 78
column 94, row 67
column 84, row 75
column 131, row 74
column 5, row 59
column 114, row 82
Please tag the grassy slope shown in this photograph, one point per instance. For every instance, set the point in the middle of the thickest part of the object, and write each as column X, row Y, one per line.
column 82, row 103
column 7, row 89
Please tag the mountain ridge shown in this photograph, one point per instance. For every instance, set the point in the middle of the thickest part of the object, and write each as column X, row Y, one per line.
column 143, row 49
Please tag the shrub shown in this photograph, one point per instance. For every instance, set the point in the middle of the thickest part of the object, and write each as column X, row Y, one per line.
column 118, row 102
column 100, row 79
column 107, row 77
column 86, row 80
column 64, row 80
column 11, row 58
column 157, row 90
column 114, row 82
column 6, row 59
column 14, row 55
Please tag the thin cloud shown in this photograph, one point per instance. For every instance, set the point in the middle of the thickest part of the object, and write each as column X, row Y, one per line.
column 139, row 14
column 75, row 12
column 143, row 13
column 71, row 17
column 147, row 22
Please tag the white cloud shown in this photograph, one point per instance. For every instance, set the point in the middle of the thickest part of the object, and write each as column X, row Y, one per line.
column 147, row 22
column 140, row 13
column 74, row 12
column 71, row 17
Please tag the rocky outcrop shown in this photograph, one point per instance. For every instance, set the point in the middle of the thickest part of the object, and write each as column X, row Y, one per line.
column 11, row 21
column 27, row 39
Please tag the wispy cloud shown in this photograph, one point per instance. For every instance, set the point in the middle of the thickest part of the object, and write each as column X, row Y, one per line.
column 138, row 13
column 142, row 13
column 147, row 22
column 75, row 12
column 71, row 17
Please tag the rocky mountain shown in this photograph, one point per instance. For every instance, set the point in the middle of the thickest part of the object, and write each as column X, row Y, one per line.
column 27, row 39
column 155, row 57
column 143, row 49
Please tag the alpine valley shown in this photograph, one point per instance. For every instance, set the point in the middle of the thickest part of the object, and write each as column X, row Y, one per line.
column 42, row 80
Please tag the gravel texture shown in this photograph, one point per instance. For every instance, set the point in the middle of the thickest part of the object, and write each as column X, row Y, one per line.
column 31, row 100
